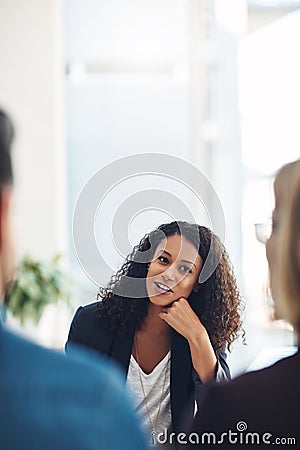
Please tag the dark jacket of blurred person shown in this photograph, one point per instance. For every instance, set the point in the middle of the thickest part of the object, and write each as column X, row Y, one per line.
column 48, row 401
column 262, row 407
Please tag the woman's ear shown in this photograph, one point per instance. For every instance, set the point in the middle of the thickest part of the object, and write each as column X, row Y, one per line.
column 196, row 287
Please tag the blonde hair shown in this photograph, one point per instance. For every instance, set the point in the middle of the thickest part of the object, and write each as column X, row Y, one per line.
column 288, row 301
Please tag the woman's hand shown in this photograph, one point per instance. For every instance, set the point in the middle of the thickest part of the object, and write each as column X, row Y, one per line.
column 185, row 321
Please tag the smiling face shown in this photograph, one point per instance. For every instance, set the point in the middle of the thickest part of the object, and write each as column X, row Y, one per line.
column 174, row 270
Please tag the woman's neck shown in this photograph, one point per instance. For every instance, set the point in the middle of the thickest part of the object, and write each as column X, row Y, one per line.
column 154, row 324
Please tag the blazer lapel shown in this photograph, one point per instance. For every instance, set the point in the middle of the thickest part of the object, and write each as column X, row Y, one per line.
column 181, row 388
column 121, row 350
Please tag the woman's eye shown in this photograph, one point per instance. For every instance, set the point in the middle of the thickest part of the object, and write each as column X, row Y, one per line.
column 163, row 259
column 186, row 269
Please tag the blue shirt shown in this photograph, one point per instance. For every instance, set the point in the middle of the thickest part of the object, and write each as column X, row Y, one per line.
column 50, row 401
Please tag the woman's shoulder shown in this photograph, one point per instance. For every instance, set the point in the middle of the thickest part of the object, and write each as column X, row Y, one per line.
column 89, row 310
column 88, row 328
column 87, row 314
column 264, row 381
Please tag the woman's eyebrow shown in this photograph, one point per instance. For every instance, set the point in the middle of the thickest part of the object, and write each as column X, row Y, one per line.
column 161, row 251
column 164, row 251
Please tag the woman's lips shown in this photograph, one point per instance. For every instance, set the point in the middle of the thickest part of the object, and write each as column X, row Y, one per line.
column 161, row 290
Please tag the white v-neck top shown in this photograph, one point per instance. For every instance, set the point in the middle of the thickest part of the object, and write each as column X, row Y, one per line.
column 155, row 392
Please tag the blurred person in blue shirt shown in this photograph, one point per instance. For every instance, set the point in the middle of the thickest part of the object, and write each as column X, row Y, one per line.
column 49, row 401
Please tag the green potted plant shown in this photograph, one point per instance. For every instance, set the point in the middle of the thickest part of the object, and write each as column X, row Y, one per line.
column 36, row 285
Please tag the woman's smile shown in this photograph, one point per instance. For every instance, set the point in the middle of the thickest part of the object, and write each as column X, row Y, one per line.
column 162, row 288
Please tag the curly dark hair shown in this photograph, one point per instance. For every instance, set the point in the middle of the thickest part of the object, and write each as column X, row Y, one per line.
column 216, row 301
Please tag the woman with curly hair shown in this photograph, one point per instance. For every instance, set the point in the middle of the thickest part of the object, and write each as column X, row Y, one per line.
column 165, row 326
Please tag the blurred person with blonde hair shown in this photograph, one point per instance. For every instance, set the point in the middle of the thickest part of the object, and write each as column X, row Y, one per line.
column 286, row 279
column 262, row 407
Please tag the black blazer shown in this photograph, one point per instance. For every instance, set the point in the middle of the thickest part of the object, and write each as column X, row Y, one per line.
column 89, row 330
column 267, row 401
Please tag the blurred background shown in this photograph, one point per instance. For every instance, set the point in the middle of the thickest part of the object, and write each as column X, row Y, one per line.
column 214, row 82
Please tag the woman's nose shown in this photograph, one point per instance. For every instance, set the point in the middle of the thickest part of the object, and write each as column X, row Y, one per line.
column 169, row 274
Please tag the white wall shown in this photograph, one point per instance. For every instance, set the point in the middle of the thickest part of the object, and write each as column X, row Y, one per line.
column 31, row 90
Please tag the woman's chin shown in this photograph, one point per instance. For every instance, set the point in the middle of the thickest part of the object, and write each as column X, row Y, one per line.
column 161, row 300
